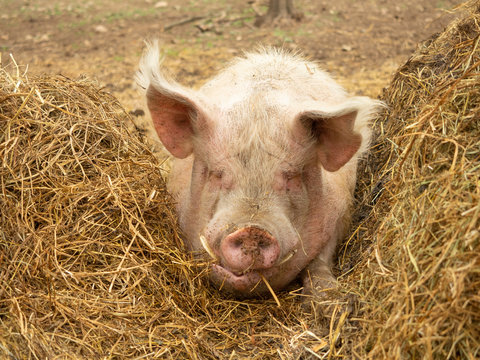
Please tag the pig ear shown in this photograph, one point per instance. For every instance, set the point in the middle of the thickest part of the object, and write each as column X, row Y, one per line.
column 334, row 136
column 174, row 109
column 334, row 130
column 172, row 115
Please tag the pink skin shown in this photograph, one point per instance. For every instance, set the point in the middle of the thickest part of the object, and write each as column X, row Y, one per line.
column 248, row 249
column 266, row 156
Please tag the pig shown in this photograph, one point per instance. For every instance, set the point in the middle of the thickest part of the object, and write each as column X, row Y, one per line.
column 264, row 166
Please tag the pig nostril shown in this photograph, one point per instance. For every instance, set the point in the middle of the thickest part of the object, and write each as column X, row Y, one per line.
column 238, row 243
column 263, row 244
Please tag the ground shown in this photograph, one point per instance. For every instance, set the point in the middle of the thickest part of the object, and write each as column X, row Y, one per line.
column 360, row 42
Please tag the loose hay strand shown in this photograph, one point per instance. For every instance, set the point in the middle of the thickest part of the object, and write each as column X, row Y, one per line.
column 271, row 291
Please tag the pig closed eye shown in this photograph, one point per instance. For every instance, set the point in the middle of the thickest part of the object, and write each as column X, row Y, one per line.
column 216, row 178
column 293, row 180
column 290, row 175
column 220, row 179
column 216, row 175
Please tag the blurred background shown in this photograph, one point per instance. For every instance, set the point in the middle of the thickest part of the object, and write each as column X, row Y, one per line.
column 360, row 42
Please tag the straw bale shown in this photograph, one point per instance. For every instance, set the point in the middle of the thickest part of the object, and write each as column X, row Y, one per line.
column 85, row 224
column 419, row 286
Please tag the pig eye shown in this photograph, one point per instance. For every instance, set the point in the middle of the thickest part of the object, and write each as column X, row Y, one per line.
column 291, row 175
column 293, row 180
column 216, row 174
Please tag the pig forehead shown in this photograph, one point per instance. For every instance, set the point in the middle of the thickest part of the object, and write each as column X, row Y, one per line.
column 258, row 126
column 257, row 149
column 270, row 99
column 253, row 108
column 261, row 167
column 255, row 127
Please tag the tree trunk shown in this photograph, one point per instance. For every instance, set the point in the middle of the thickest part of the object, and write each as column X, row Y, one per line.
column 279, row 9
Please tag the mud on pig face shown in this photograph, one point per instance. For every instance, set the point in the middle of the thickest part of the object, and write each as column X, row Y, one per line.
column 254, row 146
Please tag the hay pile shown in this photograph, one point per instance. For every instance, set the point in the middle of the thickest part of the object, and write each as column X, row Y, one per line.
column 91, row 265
column 420, row 286
column 85, row 225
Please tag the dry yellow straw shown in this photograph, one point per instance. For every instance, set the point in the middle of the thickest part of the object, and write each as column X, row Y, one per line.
column 271, row 291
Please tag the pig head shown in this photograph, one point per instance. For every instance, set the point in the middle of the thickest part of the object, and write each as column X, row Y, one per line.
column 265, row 166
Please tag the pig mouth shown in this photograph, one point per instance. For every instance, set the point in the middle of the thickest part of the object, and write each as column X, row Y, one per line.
column 248, row 281
column 251, row 280
column 243, row 283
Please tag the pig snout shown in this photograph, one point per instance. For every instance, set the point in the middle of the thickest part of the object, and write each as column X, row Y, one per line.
column 249, row 248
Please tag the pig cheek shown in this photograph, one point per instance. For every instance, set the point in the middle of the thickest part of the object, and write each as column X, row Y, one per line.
column 280, row 184
column 288, row 185
column 216, row 188
column 227, row 182
column 214, row 183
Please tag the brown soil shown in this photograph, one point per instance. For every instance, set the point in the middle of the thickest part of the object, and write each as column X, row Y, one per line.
column 360, row 42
